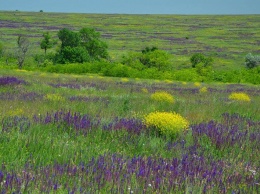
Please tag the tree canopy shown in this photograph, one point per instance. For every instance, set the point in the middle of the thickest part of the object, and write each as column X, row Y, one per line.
column 81, row 46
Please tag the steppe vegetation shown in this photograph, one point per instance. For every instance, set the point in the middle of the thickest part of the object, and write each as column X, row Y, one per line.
column 147, row 114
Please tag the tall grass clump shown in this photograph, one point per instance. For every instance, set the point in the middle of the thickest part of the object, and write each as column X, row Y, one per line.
column 169, row 124
column 162, row 97
column 239, row 96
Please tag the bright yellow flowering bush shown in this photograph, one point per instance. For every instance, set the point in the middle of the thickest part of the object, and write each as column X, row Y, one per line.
column 144, row 90
column 203, row 90
column 162, row 97
column 54, row 97
column 197, row 84
column 239, row 96
column 166, row 123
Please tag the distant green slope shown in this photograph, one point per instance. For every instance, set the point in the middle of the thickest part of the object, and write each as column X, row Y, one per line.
column 227, row 38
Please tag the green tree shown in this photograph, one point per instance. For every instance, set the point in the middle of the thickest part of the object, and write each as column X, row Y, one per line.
column 23, row 46
column 90, row 39
column 157, row 58
column 81, row 46
column 46, row 43
column 68, row 38
column 199, row 58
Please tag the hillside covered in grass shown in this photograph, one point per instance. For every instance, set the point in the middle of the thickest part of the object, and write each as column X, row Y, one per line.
column 226, row 38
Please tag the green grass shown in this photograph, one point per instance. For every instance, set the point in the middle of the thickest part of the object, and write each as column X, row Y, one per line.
column 39, row 146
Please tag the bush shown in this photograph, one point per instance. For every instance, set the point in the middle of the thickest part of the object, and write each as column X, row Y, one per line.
column 239, row 96
column 252, row 61
column 162, row 97
column 170, row 124
column 200, row 58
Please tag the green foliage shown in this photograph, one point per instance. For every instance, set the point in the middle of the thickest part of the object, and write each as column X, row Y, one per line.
column 68, row 38
column 79, row 47
column 23, row 46
column 148, row 58
column 90, row 39
column 157, row 58
column 199, row 58
column 73, row 55
column 1, row 50
column 252, row 61
column 46, row 43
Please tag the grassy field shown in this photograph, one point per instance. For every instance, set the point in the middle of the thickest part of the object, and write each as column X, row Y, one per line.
column 226, row 38
column 87, row 134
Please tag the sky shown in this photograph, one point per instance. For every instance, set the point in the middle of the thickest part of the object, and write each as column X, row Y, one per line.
column 136, row 6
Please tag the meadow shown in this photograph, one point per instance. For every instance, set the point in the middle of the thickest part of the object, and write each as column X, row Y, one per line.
column 226, row 38
column 88, row 134
column 71, row 128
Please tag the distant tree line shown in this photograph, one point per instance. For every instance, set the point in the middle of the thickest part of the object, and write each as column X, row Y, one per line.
column 86, row 45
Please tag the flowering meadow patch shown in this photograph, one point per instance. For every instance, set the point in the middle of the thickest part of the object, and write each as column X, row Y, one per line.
column 239, row 96
column 81, row 134
column 10, row 81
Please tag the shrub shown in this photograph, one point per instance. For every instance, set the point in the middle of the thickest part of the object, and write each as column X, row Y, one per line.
column 54, row 97
column 239, row 96
column 198, row 58
column 203, row 90
column 162, row 97
column 252, row 61
column 170, row 124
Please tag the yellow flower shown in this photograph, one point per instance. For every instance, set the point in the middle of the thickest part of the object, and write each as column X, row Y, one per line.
column 54, row 97
column 144, row 90
column 167, row 123
column 239, row 96
column 197, row 84
column 203, row 90
column 124, row 79
column 16, row 112
column 162, row 97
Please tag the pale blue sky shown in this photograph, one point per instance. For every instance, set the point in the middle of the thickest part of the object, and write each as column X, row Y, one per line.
column 136, row 6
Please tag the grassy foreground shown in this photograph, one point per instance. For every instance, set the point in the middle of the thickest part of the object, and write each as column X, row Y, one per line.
column 86, row 134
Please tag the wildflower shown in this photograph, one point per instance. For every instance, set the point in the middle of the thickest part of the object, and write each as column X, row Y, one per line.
column 166, row 123
column 162, row 97
column 124, row 80
column 54, row 97
column 144, row 90
column 197, row 84
column 239, row 96
column 203, row 90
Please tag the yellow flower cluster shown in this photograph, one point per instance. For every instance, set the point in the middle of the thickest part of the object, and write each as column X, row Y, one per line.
column 16, row 112
column 239, row 96
column 145, row 90
column 167, row 123
column 124, row 80
column 203, row 90
column 197, row 84
column 54, row 97
column 162, row 97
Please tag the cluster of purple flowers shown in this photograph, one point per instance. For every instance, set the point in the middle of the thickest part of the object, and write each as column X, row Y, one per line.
column 23, row 96
column 85, row 123
column 233, row 130
column 10, row 81
column 118, row 174
column 79, row 85
column 135, row 126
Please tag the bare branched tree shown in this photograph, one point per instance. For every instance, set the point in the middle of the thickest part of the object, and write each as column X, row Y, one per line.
column 23, row 47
